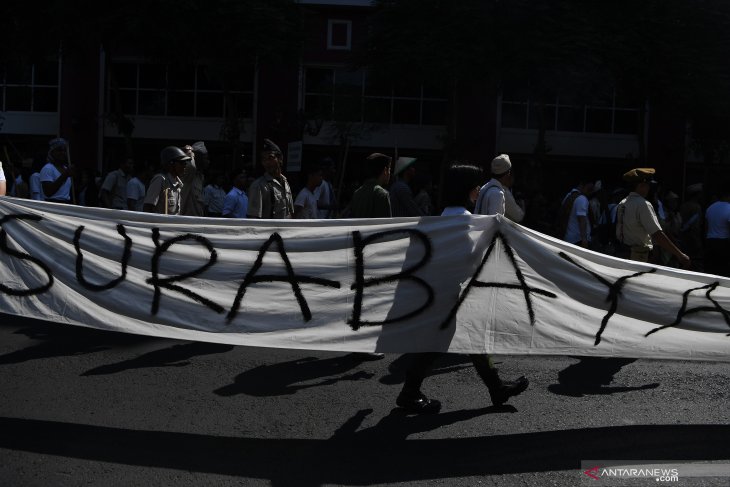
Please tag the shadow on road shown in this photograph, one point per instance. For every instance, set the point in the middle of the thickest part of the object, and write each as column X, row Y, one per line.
column 175, row 356
column 289, row 377
column 374, row 458
column 592, row 375
column 59, row 340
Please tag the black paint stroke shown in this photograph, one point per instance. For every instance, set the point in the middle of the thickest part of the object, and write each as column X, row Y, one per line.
column 166, row 282
column 473, row 282
column 614, row 291
column 126, row 255
column 715, row 308
column 291, row 277
column 405, row 274
column 22, row 256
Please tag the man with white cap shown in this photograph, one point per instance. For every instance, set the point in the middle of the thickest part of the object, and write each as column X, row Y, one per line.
column 637, row 226
column 401, row 196
column 495, row 197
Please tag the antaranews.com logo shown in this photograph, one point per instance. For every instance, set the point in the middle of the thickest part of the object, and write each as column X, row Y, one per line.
column 659, row 474
column 596, row 470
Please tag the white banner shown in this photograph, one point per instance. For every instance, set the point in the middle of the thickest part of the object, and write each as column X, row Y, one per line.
column 466, row 284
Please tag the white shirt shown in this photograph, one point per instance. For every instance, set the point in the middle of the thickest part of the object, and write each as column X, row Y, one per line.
column 323, row 193
column 307, row 200
column 49, row 174
column 495, row 199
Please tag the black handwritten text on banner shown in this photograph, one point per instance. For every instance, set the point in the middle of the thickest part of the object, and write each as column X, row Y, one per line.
column 466, row 284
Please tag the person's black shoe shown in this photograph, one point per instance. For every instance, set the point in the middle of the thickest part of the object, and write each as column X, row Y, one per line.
column 507, row 389
column 418, row 404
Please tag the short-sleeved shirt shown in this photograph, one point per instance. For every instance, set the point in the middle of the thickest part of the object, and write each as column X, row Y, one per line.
column 579, row 209
column 235, row 204
column 135, row 191
column 157, row 191
column 49, row 174
column 370, row 201
column 717, row 217
column 495, row 199
column 307, row 200
column 116, row 184
column 269, row 197
column 636, row 221
column 325, row 195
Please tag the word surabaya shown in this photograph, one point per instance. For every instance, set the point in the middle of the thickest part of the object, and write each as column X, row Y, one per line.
column 275, row 243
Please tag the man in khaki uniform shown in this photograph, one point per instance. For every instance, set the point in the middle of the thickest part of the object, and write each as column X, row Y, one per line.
column 637, row 226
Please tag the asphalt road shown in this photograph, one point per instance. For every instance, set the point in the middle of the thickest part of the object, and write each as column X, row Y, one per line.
column 81, row 407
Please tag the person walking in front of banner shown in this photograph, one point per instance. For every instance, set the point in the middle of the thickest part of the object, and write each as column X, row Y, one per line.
column 637, row 226
column 113, row 191
column 270, row 195
column 461, row 188
column 371, row 200
column 56, row 177
column 401, row 196
column 163, row 194
column 235, row 204
column 495, row 197
column 574, row 224
column 717, row 243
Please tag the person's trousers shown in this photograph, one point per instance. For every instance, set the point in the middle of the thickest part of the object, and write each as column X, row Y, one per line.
column 422, row 363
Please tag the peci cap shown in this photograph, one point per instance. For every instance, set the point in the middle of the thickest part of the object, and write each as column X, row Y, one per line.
column 403, row 163
column 270, row 146
column 640, row 175
column 501, row 165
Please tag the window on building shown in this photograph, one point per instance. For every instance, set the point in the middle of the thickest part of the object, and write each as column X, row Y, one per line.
column 339, row 34
column 354, row 95
column 29, row 87
column 178, row 91
column 605, row 113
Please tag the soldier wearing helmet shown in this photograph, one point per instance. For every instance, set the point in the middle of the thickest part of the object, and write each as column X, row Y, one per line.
column 163, row 194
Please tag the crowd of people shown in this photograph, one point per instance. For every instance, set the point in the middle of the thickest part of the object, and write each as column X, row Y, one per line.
column 640, row 220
